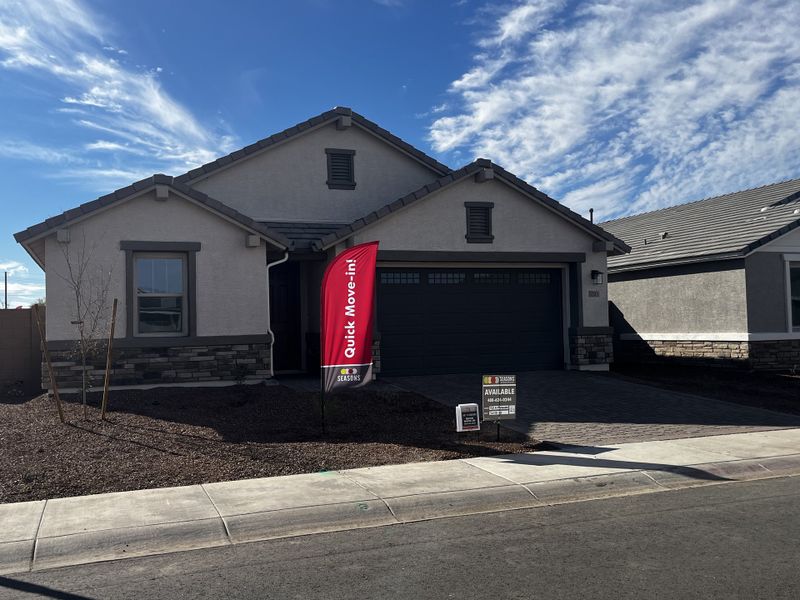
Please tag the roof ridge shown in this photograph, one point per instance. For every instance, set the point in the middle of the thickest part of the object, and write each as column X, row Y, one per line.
column 706, row 199
column 289, row 132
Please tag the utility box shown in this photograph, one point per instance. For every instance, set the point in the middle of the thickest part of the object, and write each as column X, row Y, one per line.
column 468, row 417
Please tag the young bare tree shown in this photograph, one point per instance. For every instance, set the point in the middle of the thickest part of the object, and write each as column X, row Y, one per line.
column 89, row 280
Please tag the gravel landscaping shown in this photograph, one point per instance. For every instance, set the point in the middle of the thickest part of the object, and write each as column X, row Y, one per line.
column 180, row 436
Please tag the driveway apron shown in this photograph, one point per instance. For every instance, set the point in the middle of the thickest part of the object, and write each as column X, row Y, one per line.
column 599, row 408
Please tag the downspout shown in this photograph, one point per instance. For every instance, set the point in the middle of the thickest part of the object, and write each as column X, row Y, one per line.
column 269, row 315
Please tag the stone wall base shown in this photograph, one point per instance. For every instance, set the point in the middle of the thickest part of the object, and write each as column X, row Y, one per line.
column 149, row 366
column 776, row 355
column 590, row 349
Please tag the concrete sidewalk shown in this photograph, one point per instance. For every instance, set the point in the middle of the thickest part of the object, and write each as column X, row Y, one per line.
column 68, row 531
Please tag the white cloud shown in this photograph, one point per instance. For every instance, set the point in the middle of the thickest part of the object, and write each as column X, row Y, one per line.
column 13, row 267
column 24, row 287
column 627, row 106
column 20, row 149
column 65, row 42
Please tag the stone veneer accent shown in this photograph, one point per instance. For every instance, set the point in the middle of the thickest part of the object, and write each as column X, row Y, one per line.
column 591, row 349
column 147, row 366
column 760, row 355
column 775, row 355
column 376, row 355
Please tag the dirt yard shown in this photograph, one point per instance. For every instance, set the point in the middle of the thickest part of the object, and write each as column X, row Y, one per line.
column 772, row 391
column 180, row 436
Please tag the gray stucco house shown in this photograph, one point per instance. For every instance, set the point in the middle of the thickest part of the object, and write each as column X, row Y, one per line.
column 713, row 281
column 219, row 269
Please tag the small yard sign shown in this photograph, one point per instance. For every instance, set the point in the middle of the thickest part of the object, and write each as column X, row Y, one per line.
column 468, row 417
column 499, row 397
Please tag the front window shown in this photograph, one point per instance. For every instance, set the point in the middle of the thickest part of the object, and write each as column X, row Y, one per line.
column 794, row 291
column 160, row 284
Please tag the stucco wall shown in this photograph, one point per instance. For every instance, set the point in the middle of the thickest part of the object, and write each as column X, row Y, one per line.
column 766, row 292
column 706, row 298
column 519, row 224
column 231, row 279
column 288, row 181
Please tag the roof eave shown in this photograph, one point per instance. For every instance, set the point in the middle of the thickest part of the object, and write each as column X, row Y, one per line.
column 643, row 266
column 88, row 209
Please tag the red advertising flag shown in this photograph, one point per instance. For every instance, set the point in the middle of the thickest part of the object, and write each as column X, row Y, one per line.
column 346, row 318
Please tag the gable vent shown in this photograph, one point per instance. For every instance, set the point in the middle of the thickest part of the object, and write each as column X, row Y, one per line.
column 479, row 222
column 341, row 171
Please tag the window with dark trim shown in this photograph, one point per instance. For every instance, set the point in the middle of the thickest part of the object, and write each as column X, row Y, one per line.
column 160, row 284
column 794, row 295
column 160, row 289
column 479, row 222
column 341, row 169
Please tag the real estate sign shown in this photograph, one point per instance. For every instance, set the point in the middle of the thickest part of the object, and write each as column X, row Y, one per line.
column 499, row 393
column 346, row 318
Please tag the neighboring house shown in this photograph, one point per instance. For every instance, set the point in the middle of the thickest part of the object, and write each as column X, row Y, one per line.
column 218, row 271
column 717, row 280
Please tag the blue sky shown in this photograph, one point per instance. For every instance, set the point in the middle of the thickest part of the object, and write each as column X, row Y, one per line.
column 619, row 106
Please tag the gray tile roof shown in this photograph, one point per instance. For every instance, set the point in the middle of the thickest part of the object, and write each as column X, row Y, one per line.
column 716, row 228
column 453, row 177
column 335, row 113
column 140, row 186
column 303, row 235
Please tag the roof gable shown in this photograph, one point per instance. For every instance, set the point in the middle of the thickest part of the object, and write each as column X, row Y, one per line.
column 722, row 227
column 475, row 168
column 34, row 232
column 339, row 112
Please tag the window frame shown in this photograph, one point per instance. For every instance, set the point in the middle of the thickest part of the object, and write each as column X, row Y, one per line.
column 335, row 184
column 184, row 295
column 792, row 261
column 187, row 250
column 482, row 237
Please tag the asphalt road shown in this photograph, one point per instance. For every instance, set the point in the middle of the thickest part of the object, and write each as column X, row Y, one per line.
column 737, row 540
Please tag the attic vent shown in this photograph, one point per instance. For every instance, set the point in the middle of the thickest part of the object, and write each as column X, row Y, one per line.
column 341, row 173
column 479, row 222
column 664, row 235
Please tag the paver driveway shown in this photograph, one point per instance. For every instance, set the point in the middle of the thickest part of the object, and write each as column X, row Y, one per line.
column 600, row 408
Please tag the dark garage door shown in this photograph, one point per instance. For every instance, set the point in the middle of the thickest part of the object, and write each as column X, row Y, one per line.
column 469, row 320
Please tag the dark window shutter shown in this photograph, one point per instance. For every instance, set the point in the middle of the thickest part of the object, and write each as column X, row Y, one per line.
column 479, row 222
column 341, row 173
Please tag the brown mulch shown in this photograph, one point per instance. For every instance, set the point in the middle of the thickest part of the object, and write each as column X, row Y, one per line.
column 180, row 436
column 772, row 391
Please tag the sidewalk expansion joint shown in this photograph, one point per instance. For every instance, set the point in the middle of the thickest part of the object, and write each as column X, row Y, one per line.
column 386, row 504
column 511, row 481
column 653, row 479
column 216, row 509
column 36, row 537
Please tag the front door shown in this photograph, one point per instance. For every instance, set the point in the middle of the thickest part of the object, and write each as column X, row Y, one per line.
column 284, row 314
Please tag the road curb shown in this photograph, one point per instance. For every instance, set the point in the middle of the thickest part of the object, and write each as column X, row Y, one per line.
column 112, row 544
column 423, row 507
column 28, row 546
column 290, row 522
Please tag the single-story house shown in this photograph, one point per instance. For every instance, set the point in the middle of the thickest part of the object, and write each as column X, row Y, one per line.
column 717, row 280
column 218, row 271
